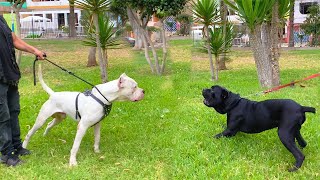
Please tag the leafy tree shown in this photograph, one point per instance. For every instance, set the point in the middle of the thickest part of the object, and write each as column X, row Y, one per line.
column 96, row 7
column 140, row 11
column 311, row 25
column 206, row 12
column 16, row 6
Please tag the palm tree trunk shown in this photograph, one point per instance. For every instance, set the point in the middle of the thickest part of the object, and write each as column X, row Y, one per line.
column 103, row 72
column 222, row 61
column 92, row 57
column 72, row 20
column 275, row 44
column 217, row 64
column 210, row 54
column 262, row 59
column 291, row 25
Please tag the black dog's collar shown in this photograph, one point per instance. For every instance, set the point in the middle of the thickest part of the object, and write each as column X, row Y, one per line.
column 233, row 104
column 106, row 107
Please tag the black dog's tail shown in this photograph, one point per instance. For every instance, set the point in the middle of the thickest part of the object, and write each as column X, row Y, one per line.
column 308, row 109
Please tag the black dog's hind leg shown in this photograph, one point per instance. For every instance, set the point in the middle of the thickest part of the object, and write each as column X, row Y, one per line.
column 300, row 139
column 287, row 138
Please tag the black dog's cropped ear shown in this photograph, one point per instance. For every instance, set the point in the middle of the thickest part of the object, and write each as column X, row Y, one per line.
column 224, row 94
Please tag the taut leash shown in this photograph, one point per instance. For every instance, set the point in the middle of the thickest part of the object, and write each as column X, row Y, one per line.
column 67, row 71
column 286, row 85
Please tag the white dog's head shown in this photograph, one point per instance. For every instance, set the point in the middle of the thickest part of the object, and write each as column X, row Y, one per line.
column 128, row 89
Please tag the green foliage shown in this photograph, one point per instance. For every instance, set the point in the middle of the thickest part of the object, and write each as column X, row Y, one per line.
column 218, row 43
column 33, row 36
column 206, row 11
column 149, row 7
column 252, row 12
column 311, row 25
column 284, row 8
column 96, row 6
column 108, row 33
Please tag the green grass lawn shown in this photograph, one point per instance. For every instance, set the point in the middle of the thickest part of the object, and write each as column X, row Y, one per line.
column 168, row 135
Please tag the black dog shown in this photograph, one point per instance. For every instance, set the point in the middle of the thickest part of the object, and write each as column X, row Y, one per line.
column 254, row 117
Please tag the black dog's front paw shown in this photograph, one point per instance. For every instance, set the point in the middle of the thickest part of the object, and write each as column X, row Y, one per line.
column 293, row 169
column 217, row 136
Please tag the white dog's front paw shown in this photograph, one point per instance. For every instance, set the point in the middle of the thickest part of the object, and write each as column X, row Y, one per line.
column 96, row 150
column 73, row 162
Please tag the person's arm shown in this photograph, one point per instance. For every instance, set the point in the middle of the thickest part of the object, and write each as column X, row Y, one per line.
column 23, row 46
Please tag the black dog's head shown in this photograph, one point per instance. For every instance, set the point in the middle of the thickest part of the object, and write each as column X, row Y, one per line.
column 220, row 99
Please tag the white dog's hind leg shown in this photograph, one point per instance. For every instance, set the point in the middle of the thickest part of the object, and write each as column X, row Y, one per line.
column 97, row 128
column 82, row 128
column 45, row 112
column 58, row 117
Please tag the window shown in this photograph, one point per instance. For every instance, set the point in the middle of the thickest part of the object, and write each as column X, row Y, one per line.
column 304, row 7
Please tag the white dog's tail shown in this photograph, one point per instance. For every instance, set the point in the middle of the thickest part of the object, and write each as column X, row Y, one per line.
column 43, row 84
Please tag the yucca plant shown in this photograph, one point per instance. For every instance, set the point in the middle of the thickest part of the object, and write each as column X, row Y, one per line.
column 107, row 36
column 95, row 7
column 220, row 43
column 206, row 12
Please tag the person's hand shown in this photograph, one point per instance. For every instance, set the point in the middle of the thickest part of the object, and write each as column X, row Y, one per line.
column 40, row 55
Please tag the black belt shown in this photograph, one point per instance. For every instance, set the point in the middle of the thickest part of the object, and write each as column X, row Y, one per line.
column 106, row 107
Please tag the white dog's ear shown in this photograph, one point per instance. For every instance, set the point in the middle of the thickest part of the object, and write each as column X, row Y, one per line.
column 121, row 80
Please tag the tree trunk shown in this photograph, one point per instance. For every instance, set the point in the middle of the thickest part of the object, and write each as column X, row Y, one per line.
column 291, row 25
column 138, row 36
column 164, row 46
column 72, row 20
column 92, row 57
column 102, row 61
column 17, row 7
column 144, row 41
column 105, row 55
column 275, row 44
column 210, row 54
column 261, row 57
column 221, row 65
column 146, row 35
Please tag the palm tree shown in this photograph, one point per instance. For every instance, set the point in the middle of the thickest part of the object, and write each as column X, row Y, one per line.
column 95, row 7
column 206, row 12
column 254, row 13
column 220, row 42
column 72, row 20
column 107, row 35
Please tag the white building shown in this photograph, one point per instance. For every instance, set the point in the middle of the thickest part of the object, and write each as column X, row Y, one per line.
column 51, row 15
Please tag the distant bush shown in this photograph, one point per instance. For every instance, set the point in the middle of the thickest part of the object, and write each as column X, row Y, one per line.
column 33, row 36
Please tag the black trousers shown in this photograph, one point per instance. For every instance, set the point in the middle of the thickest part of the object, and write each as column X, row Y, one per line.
column 9, row 122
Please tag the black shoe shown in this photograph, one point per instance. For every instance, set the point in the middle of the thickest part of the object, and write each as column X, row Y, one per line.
column 11, row 160
column 22, row 151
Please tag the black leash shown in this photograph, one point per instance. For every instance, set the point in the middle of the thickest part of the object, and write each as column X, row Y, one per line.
column 69, row 72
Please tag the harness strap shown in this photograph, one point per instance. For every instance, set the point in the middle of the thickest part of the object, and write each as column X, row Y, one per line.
column 77, row 108
column 106, row 107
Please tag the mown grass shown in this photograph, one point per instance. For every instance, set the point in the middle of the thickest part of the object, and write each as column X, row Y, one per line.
column 168, row 135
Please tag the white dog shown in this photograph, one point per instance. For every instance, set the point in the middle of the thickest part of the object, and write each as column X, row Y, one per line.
column 87, row 111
